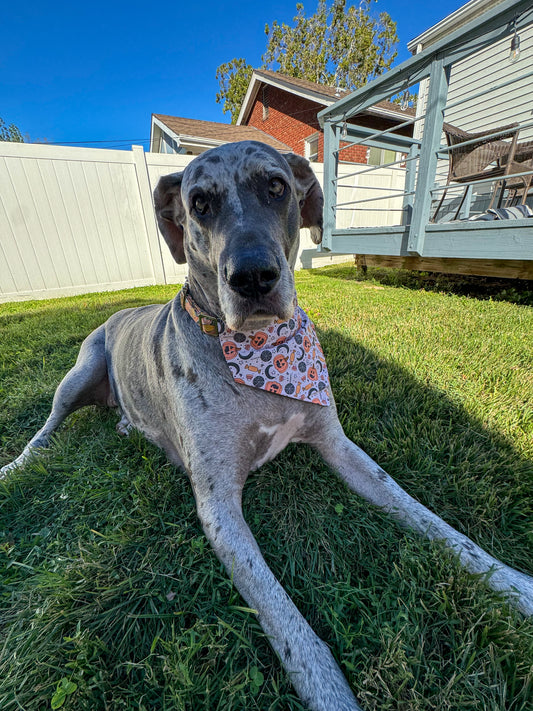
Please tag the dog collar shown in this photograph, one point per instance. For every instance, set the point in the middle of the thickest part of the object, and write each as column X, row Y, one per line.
column 208, row 324
column 284, row 358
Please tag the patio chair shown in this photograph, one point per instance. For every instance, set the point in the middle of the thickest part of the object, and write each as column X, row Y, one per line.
column 524, row 151
column 518, row 187
column 485, row 158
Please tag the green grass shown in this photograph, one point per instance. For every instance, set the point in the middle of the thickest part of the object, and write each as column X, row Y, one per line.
column 110, row 597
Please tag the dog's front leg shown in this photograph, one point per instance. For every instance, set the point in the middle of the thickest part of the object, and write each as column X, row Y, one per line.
column 312, row 669
column 368, row 480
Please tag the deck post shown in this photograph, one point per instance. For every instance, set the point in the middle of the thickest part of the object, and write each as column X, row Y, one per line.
column 427, row 164
column 410, row 182
column 331, row 162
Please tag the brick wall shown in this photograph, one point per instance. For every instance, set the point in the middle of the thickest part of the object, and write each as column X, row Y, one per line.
column 291, row 119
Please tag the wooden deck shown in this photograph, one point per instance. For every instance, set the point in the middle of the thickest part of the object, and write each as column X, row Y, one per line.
column 490, row 248
column 504, row 268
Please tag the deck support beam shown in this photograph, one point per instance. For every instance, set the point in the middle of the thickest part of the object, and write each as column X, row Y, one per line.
column 503, row 268
column 427, row 165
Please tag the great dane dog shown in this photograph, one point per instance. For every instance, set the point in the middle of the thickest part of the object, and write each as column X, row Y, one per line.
column 180, row 373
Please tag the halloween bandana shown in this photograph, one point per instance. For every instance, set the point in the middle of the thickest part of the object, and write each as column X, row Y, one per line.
column 283, row 358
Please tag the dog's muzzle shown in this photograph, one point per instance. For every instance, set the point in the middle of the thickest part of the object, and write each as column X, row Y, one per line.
column 252, row 273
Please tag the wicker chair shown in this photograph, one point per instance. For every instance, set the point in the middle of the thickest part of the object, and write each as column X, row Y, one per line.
column 518, row 187
column 524, row 151
column 485, row 158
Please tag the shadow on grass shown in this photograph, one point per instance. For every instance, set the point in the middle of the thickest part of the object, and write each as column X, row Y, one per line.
column 108, row 578
column 454, row 464
column 516, row 291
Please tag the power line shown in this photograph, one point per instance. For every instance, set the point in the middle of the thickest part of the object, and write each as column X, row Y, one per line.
column 119, row 141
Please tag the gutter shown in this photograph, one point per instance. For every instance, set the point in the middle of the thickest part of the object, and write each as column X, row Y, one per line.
column 457, row 19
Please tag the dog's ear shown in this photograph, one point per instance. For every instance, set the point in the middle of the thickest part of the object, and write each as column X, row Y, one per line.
column 170, row 213
column 309, row 194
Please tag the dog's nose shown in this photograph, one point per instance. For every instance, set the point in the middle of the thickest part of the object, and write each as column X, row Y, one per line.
column 252, row 275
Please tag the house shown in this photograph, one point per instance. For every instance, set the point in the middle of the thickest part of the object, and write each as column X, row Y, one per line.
column 173, row 134
column 286, row 108
column 281, row 111
column 473, row 104
column 487, row 91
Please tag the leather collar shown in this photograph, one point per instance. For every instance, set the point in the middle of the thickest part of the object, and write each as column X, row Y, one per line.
column 208, row 324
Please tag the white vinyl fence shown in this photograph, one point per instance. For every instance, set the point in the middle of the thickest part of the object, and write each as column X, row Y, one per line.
column 75, row 220
column 79, row 220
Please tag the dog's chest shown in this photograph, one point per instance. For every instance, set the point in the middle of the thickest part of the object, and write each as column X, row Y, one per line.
column 270, row 440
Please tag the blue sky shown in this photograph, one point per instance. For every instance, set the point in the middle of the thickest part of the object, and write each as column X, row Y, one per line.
column 76, row 72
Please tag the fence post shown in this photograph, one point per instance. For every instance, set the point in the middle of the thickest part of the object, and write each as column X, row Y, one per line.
column 152, row 233
column 427, row 163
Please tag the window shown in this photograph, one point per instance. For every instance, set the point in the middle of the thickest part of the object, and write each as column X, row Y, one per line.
column 380, row 156
column 168, row 144
column 311, row 148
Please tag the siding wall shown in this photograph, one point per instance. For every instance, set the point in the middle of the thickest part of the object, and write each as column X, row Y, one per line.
column 77, row 220
column 481, row 72
column 484, row 70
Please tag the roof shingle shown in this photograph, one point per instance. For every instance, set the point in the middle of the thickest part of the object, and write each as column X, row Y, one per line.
column 329, row 93
column 223, row 132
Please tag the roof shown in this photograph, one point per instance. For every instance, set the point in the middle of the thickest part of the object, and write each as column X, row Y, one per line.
column 450, row 23
column 328, row 93
column 217, row 133
column 319, row 93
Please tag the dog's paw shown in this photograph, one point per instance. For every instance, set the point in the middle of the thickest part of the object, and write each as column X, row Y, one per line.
column 124, row 427
column 18, row 462
column 4, row 471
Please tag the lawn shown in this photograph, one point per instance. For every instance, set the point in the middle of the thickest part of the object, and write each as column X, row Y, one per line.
column 110, row 597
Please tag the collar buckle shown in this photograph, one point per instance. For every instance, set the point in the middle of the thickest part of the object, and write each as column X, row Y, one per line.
column 208, row 324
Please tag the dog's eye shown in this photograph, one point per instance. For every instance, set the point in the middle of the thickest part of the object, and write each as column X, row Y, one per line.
column 276, row 188
column 200, row 205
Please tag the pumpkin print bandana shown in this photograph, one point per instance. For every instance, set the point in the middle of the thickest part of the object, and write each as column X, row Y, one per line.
column 284, row 358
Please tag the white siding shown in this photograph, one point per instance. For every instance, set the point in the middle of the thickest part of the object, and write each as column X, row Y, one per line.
column 495, row 107
column 474, row 83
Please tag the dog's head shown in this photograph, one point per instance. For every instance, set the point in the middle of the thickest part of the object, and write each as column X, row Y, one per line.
column 234, row 214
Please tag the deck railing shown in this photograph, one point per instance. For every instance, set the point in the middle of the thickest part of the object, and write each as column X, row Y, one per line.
column 427, row 213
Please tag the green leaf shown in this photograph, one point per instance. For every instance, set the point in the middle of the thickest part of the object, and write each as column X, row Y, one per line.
column 69, row 686
column 63, row 689
column 58, row 699
column 256, row 676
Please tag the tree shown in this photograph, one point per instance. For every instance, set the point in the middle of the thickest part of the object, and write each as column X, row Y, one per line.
column 10, row 133
column 302, row 51
column 233, row 78
column 339, row 45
